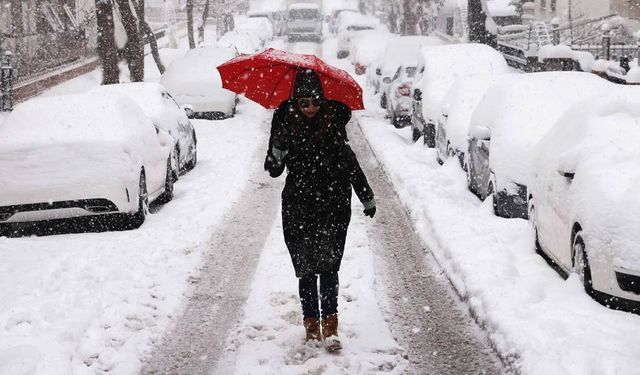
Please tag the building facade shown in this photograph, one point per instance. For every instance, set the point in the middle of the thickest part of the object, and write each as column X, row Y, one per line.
column 579, row 9
column 43, row 34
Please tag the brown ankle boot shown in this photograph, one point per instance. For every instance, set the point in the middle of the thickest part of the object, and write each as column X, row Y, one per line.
column 330, row 332
column 312, row 326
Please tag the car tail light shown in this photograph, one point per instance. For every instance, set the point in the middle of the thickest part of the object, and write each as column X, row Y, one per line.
column 360, row 69
column 404, row 89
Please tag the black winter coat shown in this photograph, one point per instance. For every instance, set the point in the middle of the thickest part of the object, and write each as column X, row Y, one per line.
column 316, row 200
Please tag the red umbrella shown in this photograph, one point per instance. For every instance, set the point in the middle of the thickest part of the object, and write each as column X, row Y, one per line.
column 267, row 78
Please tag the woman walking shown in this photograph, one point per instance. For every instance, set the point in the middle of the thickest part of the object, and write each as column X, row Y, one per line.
column 309, row 138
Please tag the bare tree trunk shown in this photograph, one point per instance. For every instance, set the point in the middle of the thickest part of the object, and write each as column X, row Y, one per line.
column 192, row 42
column 145, row 29
column 17, row 22
column 153, row 43
column 205, row 15
column 133, row 49
column 107, row 50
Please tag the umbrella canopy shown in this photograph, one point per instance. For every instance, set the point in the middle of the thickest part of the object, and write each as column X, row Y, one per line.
column 267, row 78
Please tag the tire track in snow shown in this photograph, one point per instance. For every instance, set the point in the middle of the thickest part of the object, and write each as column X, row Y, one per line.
column 425, row 314
column 220, row 291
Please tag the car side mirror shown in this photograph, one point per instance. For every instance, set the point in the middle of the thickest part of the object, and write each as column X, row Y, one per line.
column 379, row 72
column 566, row 174
column 188, row 109
column 568, row 163
column 482, row 133
column 417, row 95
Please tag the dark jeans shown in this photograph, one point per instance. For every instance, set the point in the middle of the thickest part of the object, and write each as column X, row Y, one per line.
column 308, row 287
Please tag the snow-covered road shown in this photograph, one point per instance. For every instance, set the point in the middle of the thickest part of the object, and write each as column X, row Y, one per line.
column 206, row 284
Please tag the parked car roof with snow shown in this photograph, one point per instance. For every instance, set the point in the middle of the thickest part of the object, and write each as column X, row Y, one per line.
column 367, row 47
column 193, row 79
column 461, row 100
column 439, row 67
column 242, row 41
column 259, row 27
column 165, row 113
column 511, row 109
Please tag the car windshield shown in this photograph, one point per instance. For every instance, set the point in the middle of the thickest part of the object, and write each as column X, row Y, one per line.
column 411, row 71
column 297, row 14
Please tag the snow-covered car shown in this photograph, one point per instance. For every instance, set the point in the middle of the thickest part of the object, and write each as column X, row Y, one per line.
column 259, row 28
column 166, row 114
column 241, row 41
column 276, row 18
column 366, row 48
column 82, row 155
column 398, row 51
column 514, row 114
column 584, row 199
column 439, row 67
column 332, row 19
column 194, row 80
column 452, row 129
column 304, row 20
column 349, row 25
column 397, row 96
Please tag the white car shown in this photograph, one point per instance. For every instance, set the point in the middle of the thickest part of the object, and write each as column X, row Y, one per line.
column 438, row 69
column 367, row 48
column 452, row 129
column 194, row 80
column 241, row 41
column 349, row 25
column 304, row 20
column 82, row 155
column 333, row 18
column 584, row 200
column 397, row 96
column 514, row 114
column 165, row 113
column 259, row 28
column 276, row 18
column 399, row 50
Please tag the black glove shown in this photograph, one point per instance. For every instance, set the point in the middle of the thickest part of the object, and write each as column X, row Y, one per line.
column 370, row 212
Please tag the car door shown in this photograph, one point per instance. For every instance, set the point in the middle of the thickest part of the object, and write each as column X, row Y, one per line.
column 558, row 220
column 479, row 171
column 185, row 128
column 441, row 136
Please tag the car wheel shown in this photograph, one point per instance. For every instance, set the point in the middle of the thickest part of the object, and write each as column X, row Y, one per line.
column 194, row 160
column 533, row 221
column 491, row 192
column 167, row 196
column 176, row 161
column 383, row 101
column 415, row 133
column 581, row 262
column 450, row 153
column 397, row 122
column 136, row 220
